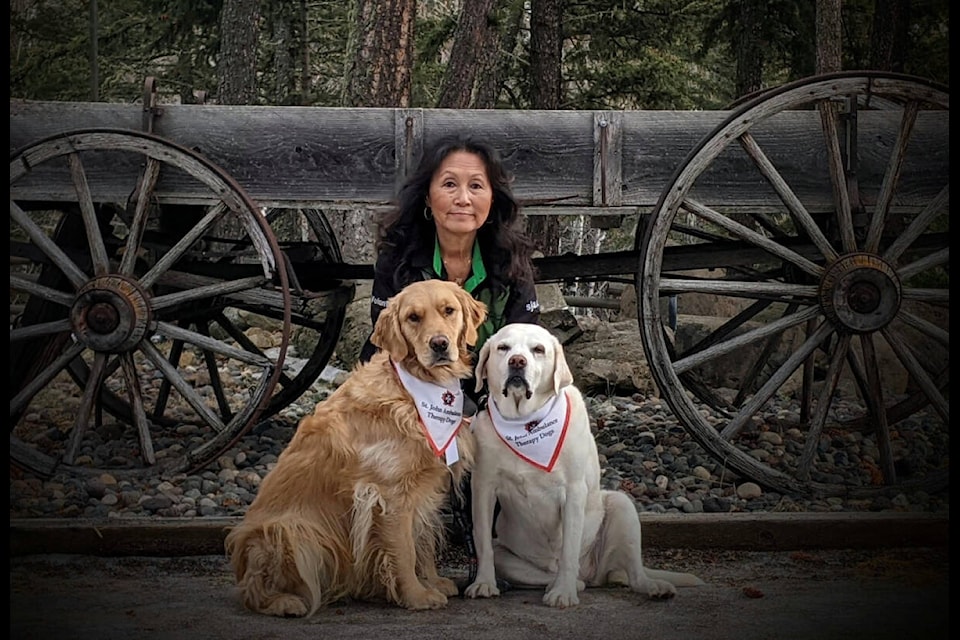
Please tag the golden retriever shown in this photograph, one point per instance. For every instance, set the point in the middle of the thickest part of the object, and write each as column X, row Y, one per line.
column 353, row 507
column 535, row 453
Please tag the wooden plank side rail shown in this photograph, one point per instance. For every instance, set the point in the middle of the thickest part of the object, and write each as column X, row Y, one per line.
column 582, row 162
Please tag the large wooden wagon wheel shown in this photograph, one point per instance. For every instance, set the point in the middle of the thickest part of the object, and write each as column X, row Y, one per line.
column 111, row 305
column 318, row 300
column 829, row 372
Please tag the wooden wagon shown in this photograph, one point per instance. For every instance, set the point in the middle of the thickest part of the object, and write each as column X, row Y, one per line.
column 156, row 249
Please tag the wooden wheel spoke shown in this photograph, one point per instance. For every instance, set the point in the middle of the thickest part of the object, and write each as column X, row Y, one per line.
column 806, row 391
column 859, row 376
column 875, row 404
column 829, row 115
column 44, row 377
column 163, row 394
column 40, row 329
column 729, row 326
column 182, row 386
column 74, row 274
column 761, row 290
column 933, row 296
column 756, row 368
column 918, row 225
column 751, row 236
column 203, row 292
column 920, row 375
column 776, row 381
column 180, row 248
column 212, row 344
column 234, row 332
column 887, row 188
column 935, row 259
column 38, row 290
column 132, row 383
column 819, row 417
column 84, row 412
column 789, row 198
column 98, row 250
column 926, row 327
column 138, row 224
column 737, row 342
column 215, row 381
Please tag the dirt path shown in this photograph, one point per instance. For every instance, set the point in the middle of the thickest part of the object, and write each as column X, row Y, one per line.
column 887, row 593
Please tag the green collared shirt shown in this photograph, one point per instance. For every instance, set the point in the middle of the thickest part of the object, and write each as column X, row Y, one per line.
column 496, row 304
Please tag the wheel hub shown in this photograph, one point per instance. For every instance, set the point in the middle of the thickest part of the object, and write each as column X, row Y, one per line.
column 860, row 292
column 111, row 314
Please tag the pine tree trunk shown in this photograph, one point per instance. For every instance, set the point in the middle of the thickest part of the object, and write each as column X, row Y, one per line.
column 546, row 54
column 237, row 65
column 749, row 47
column 889, row 36
column 284, row 46
column 471, row 36
column 829, row 36
column 380, row 54
column 494, row 60
column 546, row 40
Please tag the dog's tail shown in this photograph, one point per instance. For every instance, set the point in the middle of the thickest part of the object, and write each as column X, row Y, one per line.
column 676, row 578
column 277, row 562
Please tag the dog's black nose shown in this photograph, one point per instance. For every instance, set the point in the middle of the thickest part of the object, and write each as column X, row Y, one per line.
column 517, row 362
column 439, row 344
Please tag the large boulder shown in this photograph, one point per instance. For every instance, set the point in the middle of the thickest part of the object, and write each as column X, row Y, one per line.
column 608, row 358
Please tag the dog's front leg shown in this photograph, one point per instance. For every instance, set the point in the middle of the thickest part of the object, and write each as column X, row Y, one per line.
column 484, row 500
column 427, row 566
column 401, row 547
column 562, row 592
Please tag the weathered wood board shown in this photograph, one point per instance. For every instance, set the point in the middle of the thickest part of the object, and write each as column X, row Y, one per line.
column 563, row 161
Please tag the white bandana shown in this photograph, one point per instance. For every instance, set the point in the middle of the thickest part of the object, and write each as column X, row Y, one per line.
column 440, row 409
column 538, row 437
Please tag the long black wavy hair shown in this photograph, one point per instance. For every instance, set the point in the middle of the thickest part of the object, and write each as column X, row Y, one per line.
column 405, row 231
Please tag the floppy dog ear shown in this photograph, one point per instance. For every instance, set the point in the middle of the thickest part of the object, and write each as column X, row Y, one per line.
column 562, row 376
column 474, row 313
column 387, row 334
column 481, row 370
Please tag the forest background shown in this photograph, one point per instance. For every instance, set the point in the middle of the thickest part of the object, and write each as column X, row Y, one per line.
column 476, row 54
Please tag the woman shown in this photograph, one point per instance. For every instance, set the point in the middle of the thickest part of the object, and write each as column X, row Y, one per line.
column 457, row 219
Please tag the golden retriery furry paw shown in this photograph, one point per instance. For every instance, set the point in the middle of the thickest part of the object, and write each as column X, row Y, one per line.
column 285, row 606
column 446, row 586
column 419, row 599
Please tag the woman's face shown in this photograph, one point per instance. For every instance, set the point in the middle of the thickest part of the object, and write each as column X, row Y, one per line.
column 460, row 193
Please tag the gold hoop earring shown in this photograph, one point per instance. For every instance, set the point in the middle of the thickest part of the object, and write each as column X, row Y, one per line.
column 427, row 214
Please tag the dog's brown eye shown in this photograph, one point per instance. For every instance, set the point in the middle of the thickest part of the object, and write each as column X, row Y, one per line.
column 503, row 347
column 539, row 350
column 414, row 317
column 449, row 311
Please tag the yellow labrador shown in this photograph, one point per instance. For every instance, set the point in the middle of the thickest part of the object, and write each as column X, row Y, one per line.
column 557, row 528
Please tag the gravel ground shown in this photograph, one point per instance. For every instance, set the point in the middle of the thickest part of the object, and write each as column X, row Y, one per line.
column 644, row 452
